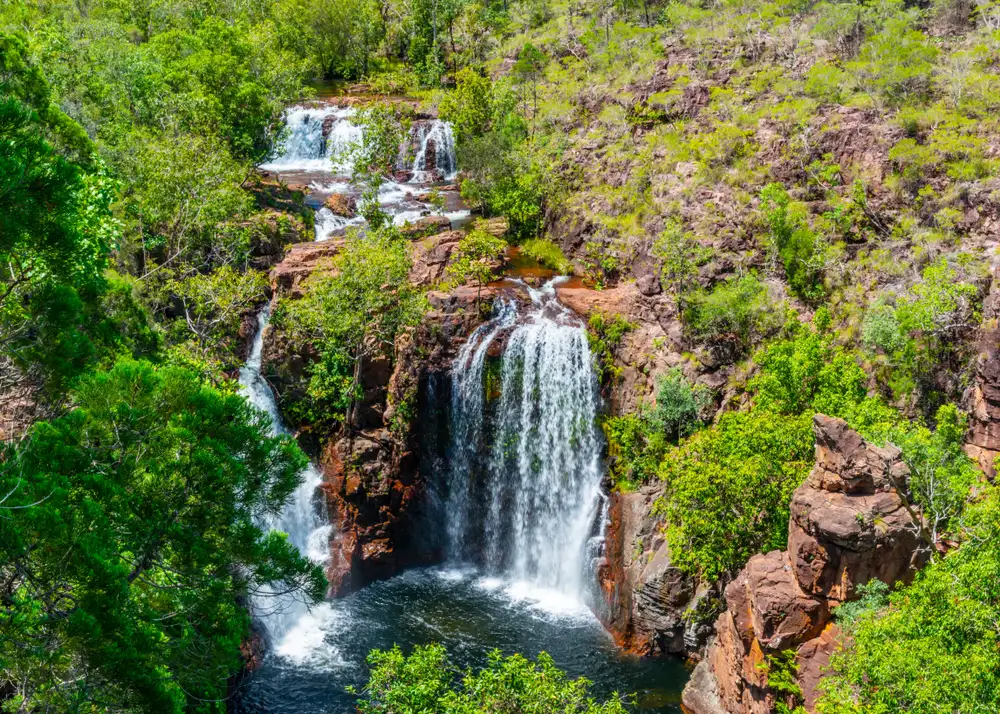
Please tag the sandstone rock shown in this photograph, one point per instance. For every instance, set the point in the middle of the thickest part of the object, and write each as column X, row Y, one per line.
column 781, row 614
column 983, row 439
column 646, row 597
column 301, row 261
column 431, row 256
column 340, row 204
column 426, row 226
column 847, row 526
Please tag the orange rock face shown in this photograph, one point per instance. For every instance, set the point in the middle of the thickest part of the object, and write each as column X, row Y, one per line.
column 847, row 526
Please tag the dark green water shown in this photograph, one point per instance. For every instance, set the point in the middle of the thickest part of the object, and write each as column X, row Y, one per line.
column 310, row 666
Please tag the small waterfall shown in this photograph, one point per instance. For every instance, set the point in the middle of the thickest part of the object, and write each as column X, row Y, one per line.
column 304, row 518
column 320, row 139
column 524, row 494
column 437, row 140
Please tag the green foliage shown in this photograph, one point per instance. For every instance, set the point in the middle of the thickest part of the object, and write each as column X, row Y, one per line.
column 680, row 254
column 351, row 315
column 734, row 315
column 728, row 489
column 605, row 334
column 425, row 683
column 130, row 533
column 206, row 337
column 781, row 671
column 478, row 257
column 793, row 243
column 932, row 648
column 638, row 441
column 548, row 254
column 924, row 326
column 942, row 477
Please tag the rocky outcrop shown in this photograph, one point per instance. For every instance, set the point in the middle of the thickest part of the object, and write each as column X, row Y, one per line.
column 649, row 604
column 848, row 525
column 983, row 440
column 301, row 261
column 341, row 204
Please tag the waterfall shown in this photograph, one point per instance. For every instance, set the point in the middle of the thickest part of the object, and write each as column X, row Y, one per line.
column 319, row 139
column 436, row 134
column 524, row 494
column 303, row 519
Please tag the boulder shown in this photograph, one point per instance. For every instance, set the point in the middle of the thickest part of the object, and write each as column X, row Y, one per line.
column 341, row 204
column 426, row 226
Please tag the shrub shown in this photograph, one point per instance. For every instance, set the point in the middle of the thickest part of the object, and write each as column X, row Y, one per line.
column 426, row 682
column 605, row 333
column 548, row 254
column 678, row 407
column 734, row 315
column 792, row 242
column 728, row 489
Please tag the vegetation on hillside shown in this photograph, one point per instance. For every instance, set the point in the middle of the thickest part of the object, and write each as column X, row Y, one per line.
column 812, row 184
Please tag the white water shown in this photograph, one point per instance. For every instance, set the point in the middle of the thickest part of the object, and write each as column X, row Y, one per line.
column 304, row 518
column 438, row 134
column 306, row 149
column 524, row 486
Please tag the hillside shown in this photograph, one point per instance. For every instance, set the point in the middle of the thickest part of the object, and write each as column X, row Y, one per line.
column 332, row 326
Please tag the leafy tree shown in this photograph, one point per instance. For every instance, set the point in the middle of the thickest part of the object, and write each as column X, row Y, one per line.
column 728, row 489
column 352, row 315
column 680, row 254
column 130, row 535
column 942, row 477
column 792, row 242
column 528, row 68
column 213, row 307
column 478, row 256
column 425, row 683
column 930, row 647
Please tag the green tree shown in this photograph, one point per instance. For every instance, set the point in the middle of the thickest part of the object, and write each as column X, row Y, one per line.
column 528, row 68
column 478, row 257
column 352, row 315
column 425, row 683
column 213, row 306
column 734, row 315
column 130, row 538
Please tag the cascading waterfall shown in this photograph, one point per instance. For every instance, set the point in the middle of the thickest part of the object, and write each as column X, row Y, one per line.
column 303, row 519
column 524, row 488
column 439, row 134
column 311, row 148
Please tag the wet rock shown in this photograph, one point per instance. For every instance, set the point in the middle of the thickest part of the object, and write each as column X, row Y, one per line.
column 341, row 204
column 426, row 226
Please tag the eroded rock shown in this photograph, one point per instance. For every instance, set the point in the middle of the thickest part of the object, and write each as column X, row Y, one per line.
column 848, row 525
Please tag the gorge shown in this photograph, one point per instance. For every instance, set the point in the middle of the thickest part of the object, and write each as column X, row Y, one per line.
column 511, row 496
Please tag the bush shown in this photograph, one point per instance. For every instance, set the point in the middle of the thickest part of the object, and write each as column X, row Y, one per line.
column 548, row 254
column 728, row 489
column 605, row 333
column 734, row 315
column 792, row 242
column 426, row 682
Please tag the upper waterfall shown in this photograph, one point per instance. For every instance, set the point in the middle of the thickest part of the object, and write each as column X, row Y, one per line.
column 436, row 156
column 524, row 485
column 319, row 139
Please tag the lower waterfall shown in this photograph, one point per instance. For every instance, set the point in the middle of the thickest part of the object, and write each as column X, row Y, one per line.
column 522, row 407
column 524, row 484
